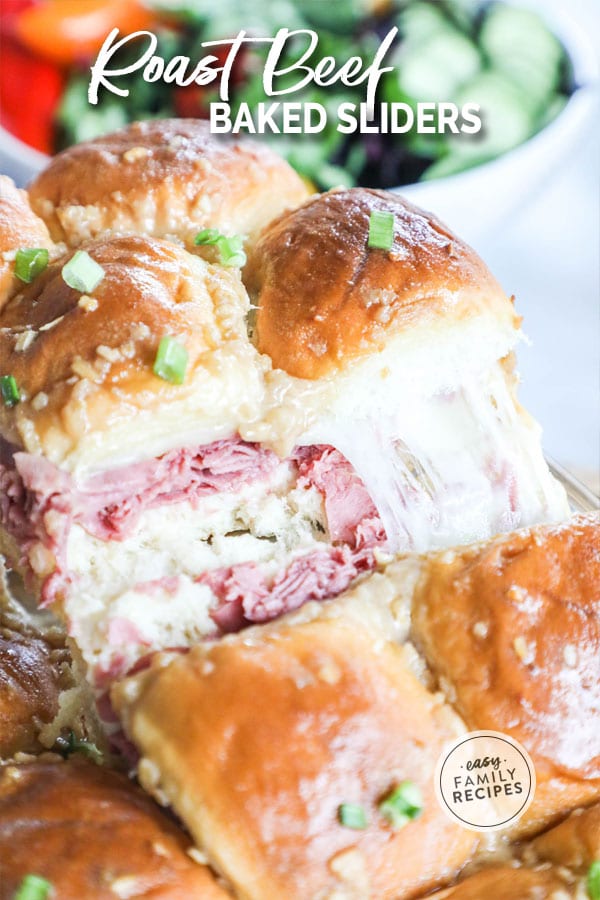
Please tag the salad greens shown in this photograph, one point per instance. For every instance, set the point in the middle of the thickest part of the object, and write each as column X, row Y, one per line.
column 501, row 57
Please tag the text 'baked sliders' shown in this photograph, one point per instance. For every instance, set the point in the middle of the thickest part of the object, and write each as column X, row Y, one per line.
column 166, row 477
column 301, row 754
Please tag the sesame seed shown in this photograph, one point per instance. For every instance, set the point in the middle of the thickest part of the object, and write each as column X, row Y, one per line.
column 51, row 324
column 517, row 594
column 570, row 655
column 525, row 653
column 24, row 340
column 40, row 401
column 135, row 153
column 84, row 369
column 112, row 354
column 329, row 672
column 481, row 629
column 89, row 304
column 197, row 855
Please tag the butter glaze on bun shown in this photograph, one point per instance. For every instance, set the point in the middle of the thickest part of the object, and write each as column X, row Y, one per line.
column 166, row 178
column 509, row 883
column 88, row 367
column 92, row 834
column 32, row 674
column 574, row 843
column 19, row 228
column 257, row 741
column 326, row 298
column 512, row 629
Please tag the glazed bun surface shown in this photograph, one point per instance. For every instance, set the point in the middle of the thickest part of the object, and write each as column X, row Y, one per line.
column 512, row 628
column 87, row 365
column 574, row 843
column 258, row 740
column 92, row 834
column 325, row 297
column 166, row 178
column 32, row 674
column 508, row 883
column 19, row 228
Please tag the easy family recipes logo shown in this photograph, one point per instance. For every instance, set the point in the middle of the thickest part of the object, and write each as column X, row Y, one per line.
column 485, row 780
column 282, row 78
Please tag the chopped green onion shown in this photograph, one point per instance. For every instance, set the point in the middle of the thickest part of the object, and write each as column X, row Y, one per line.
column 72, row 744
column 352, row 815
column 9, row 390
column 593, row 880
column 30, row 262
column 381, row 230
column 231, row 251
column 171, row 360
column 82, row 273
column 208, row 236
column 33, row 887
column 402, row 804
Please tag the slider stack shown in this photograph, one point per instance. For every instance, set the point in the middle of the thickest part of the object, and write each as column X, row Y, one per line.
column 267, row 483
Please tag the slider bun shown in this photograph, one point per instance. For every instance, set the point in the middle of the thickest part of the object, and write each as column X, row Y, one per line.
column 509, row 883
column 88, row 369
column 325, row 298
column 166, row 177
column 92, row 834
column 257, row 740
column 512, row 630
column 19, row 228
column 574, row 843
column 32, row 674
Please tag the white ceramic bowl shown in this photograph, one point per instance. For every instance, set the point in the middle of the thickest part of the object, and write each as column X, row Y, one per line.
column 476, row 201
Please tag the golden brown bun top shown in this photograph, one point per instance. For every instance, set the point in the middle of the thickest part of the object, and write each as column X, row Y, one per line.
column 574, row 843
column 86, row 359
column 507, row 883
column 326, row 298
column 514, row 627
column 19, row 228
column 163, row 177
column 92, row 834
column 260, row 738
column 33, row 671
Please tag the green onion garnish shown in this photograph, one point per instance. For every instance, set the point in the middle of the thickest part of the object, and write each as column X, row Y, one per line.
column 231, row 252
column 72, row 744
column 352, row 815
column 381, row 230
column 30, row 262
column 208, row 236
column 171, row 360
column 82, row 273
column 593, row 880
column 33, row 887
column 402, row 804
column 9, row 390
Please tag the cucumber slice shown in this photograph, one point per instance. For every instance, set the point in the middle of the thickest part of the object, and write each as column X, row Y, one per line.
column 506, row 119
column 435, row 68
column 509, row 32
column 420, row 20
column 463, row 13
column 518, row 43
column 341, row 16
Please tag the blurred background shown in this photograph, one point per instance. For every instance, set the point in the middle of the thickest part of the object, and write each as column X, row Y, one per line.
column 525, row 192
